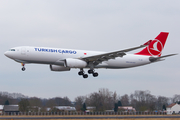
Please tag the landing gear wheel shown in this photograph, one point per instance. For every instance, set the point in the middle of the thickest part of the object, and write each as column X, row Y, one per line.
column 95, row 74
column 80, row 73
column 23, row 69
column 90, row 71
column 85, row 76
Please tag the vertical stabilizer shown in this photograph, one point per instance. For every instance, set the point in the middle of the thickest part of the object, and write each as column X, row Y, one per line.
column 156, row 46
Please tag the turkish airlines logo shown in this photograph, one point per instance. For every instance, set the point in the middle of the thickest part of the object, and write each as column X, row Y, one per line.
column 155, row 48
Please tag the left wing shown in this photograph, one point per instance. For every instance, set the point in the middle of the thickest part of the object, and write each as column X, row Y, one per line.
column 96, row 59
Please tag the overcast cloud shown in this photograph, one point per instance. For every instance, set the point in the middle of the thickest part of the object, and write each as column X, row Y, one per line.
column 100, row 25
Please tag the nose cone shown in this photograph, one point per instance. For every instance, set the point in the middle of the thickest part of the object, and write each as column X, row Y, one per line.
column 8, row 54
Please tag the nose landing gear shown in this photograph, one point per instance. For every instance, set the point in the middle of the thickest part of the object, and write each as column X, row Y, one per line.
column 23, row 68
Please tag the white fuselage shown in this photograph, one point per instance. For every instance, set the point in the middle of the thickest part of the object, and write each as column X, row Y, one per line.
column 56, row 56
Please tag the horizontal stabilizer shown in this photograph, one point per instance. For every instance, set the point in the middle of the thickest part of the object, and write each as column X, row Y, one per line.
column 153, row 59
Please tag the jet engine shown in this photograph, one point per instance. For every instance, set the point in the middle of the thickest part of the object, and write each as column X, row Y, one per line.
column 75, row 63
column 59, row 68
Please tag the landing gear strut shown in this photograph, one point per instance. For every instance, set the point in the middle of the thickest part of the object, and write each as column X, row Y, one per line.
column 23, row 68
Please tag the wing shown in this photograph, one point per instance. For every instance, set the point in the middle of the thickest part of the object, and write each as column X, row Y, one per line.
column 96, row 59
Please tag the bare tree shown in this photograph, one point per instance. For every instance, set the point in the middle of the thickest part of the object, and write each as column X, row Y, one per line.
column 34, row 101
column 125, row 100
column 115, row 97
column 102, row 100
column 57, row 101
column 143, row 100
column 161, row 100
column 176, row 98
column 50, row 103
column 24, row 105
column 79, row 102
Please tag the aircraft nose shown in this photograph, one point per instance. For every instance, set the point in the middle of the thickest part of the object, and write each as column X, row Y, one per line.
column 6, row 53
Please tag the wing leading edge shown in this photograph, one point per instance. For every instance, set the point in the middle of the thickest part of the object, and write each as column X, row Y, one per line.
column 96, row 59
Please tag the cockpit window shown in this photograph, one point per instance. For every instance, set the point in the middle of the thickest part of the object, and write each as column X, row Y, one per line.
column 12, row 50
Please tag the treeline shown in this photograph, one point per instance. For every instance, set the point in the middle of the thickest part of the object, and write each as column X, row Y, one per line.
column 101, row 100
column 35, row 104
column 12, row 98
column 140, row 100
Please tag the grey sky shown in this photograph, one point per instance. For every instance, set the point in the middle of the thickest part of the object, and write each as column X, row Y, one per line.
column 100, row 25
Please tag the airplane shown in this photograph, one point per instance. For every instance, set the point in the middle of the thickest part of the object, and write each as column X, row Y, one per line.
column 60, row 59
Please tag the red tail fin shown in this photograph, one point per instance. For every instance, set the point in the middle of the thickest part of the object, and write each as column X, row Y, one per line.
column 156, row 46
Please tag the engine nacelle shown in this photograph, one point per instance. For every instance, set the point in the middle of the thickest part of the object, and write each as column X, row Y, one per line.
column 75, row 63
column 59, row 68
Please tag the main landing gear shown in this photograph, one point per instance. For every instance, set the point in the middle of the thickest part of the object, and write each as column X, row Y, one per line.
column 81, row 72
column 95, row 74
column 23, row 68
